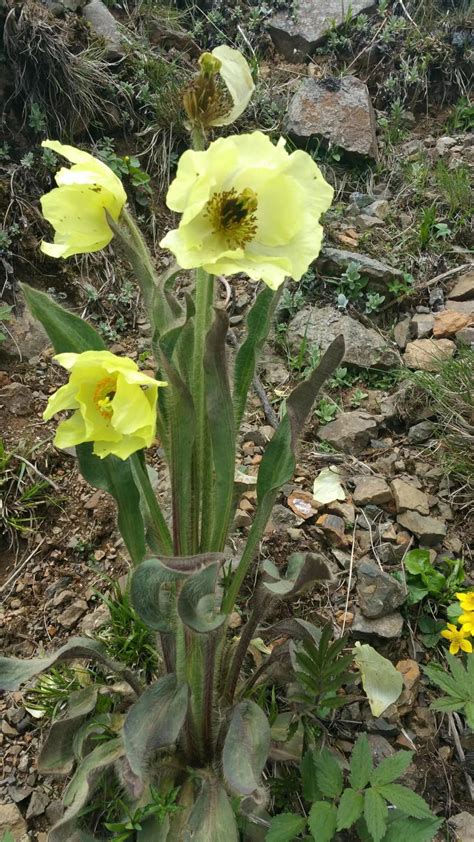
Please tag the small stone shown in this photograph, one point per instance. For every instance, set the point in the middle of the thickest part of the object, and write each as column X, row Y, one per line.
column 37, row 806
column 411, row 678
column 344, row 510
column 11, row 820
column 422, row 325
column 380, row 208
column 448, row 323
column 235, row 620
column 420, row 432
column 465, row 336
column 462, row 825
column 281, row 519
column 388, row 627
column 401, row 332
column 366, row 222
column 429, row 530
column 19, row 793
column 18, row 398
column 242, row 519
column 94, row 500
column 461, row 306
column 104, row 25
column 380, row 747
column 443, row 144
column 54, row 811
column 72, row 614
column 303, row 504
column 371, row 490
column 378, row 592
column 333, row 528
column 426, row 354
column 436, row 299
column 463, row 288
column 350, row 432
column 407, row 497
column 92, row 622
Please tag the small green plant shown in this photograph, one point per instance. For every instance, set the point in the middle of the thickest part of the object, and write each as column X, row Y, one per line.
column 341, row 378
column 373, row 302
column 455, row 186
column 441, row 230
column 125, row 636
column 291, row 302
column 37, row 119
column 23, row 500
column 128, row 166
column 5, row 152
column 5, row 310
column 357, row 397
column 393, row 124
column 424, row 580
column 326, row 410
column 48, row 698
column 351, row 283
column 458, row 685
column 462, row 118
column 364, row 804
column 428, row 221
column 402, row 288
column 321, row 670
column 159, row 807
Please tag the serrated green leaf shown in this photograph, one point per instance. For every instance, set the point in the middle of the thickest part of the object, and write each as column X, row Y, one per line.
column 442, row 679
column 381, row 681
column 375, row 814
column 407, row 801
column 322, row 821
column 416, row 830
column 246, row 747
column 390, row 768
column 447, row 704
column 285, row 827
column 361, row 763
column 469, row 712
column 308, row 777
column 328, row 773
column 460, row 675
column 351, row 807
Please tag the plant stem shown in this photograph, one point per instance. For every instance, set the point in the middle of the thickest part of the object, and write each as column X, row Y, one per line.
column 256, row 531
column 161, row 529
column 202, row 467
column 139, row 256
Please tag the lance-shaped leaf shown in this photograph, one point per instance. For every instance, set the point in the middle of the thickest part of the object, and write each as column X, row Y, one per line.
column 66, row 331
column 152, row 591
column 303, row 569
column 381, row 681
column 189, row 565
column 212, row 818
column 246, row 747
column 259, row 321
column 80, row 789
column 154, row 722
column 197, row 602
column 15, row 671
column 220, row 413
column 115, row 476
column 57, row 755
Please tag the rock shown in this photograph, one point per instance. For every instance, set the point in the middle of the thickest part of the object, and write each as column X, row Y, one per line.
column 462, row 825
column 448, row 322
column 388, row 627
column 26, row 337
column 337, row 110
column 72, row 614
column 464, row 288
column 380, row 747
column 422, row 325
column 54, row 811
column 371, row 490
column 461, row 306
column 92, row 622
column 401, row 332
column 320, row 326
column 333, row 528
column 37, row 806
column 380, row 274
column 12, row 820
column 429, row 530
column 407, row 497
column 380, row 208
column 350, row 432
column 411, row 674
column 465, row 336
column 18, row 398
column 426, row 354
column 104, row 25
column 443, row 144
column 366, row 222
column 378, row 592
column 297, row 34
column 282, row 518
column 19, row 793
column 420, row 432
column 436, row 299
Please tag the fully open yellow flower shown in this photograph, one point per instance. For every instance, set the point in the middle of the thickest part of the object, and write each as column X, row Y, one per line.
column 114, row 403
column 248, row 206
column 466, row 600
column 457, row 638
column 467, row 622
column 76, row 207
column 236, row 75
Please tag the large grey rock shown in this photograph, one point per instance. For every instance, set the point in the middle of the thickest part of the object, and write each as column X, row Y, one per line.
column 104, row 25
column 388, row 627
column 379, row 274
column 12, row 820
column 462, row 825
column 464, row 287
column 379, row 593
column 296, row 34
column 427, row 354
column 320, row 326
column 350, row 432
column 338, row 111
column 429, row 530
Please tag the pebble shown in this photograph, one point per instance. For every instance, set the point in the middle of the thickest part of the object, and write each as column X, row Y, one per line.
column 371, row 490
column 387, row 627
column 409, row 498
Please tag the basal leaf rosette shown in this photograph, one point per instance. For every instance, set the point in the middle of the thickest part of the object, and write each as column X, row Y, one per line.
column 248, row 206
column 114, row 404
column 77, row 207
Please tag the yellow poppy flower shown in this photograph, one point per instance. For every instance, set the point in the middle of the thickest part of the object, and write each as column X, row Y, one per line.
column 114, row 403
column 467, row 622
column 248, row 206
column 457, row 638
column 76, row 207
column 466, row 600
column 236, row 75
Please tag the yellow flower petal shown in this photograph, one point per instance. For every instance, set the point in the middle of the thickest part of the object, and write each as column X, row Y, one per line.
column 237, row 78
column 466, row 646
column 454, row 647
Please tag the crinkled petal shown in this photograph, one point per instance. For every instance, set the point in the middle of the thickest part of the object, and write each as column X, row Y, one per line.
column 132, row 410
column 64, row 398
column 71, row 432
column 123, row 448
column 77, row 214
column 237, row 78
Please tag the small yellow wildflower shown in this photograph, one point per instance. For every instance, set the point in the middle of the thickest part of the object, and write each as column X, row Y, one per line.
column 467, row 622
column 76, row 207
column 114, row 403
column 457, row 638
column 466, row 600
column 248, row 206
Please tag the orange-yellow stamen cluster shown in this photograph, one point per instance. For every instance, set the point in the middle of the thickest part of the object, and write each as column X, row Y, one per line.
column 104, row 393
column 233, row 216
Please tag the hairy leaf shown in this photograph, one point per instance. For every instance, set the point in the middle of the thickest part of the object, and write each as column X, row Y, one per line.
column 309, row 784
column 14, row 671
column 328, row 773
column 67, row 332
column 258, row 325
column 361, row 763
column 322, row 821
column 57, row 752
column 391, row 768
column 303, row 569
column 212, row 817
column 190, row 565
column 246, row 747
column 152, row 593
column 197, row 602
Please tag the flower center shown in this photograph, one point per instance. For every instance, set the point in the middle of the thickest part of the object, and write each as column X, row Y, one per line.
column 232, row 214
column 104, row 394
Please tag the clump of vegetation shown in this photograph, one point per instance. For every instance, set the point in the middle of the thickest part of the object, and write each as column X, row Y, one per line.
column 23, row 499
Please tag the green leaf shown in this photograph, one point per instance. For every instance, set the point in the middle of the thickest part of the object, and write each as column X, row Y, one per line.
column 303, row 569
column 391, row 768
column 469, row 712
column 328, row 773
column 197, row 602
column 322, row 821
column 407, row 801
column 220, row 412
column 57, row 752
column 68, row 333
column 14, row 671
column 375, row 814
column 258, row 325
column 416, row 560
column 416, row 830
column 351, row 807
column 154, row 722
column 308, row 777
column 381, row 681
column 285, row 827
column 152, row 592
column 212, row 817
column 246, row 747
column 115, row 476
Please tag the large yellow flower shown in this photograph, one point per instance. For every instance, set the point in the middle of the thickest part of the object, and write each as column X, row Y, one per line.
column 76, row 207
column 466, row 600
column 114, row 403
column 457, row 638
column 467, row 622
column 248, row 206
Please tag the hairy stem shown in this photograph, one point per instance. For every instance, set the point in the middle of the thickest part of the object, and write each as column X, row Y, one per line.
column 254, row 537
column 202, row 465
column 159, row 524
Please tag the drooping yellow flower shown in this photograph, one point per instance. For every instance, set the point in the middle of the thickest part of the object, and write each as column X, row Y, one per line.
column 237, row 78
column 114, row 403
column 466, row 600
column 467, row 622
column 248, row 206
column 457, row 638
column 221, row 92
column 77, row 207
